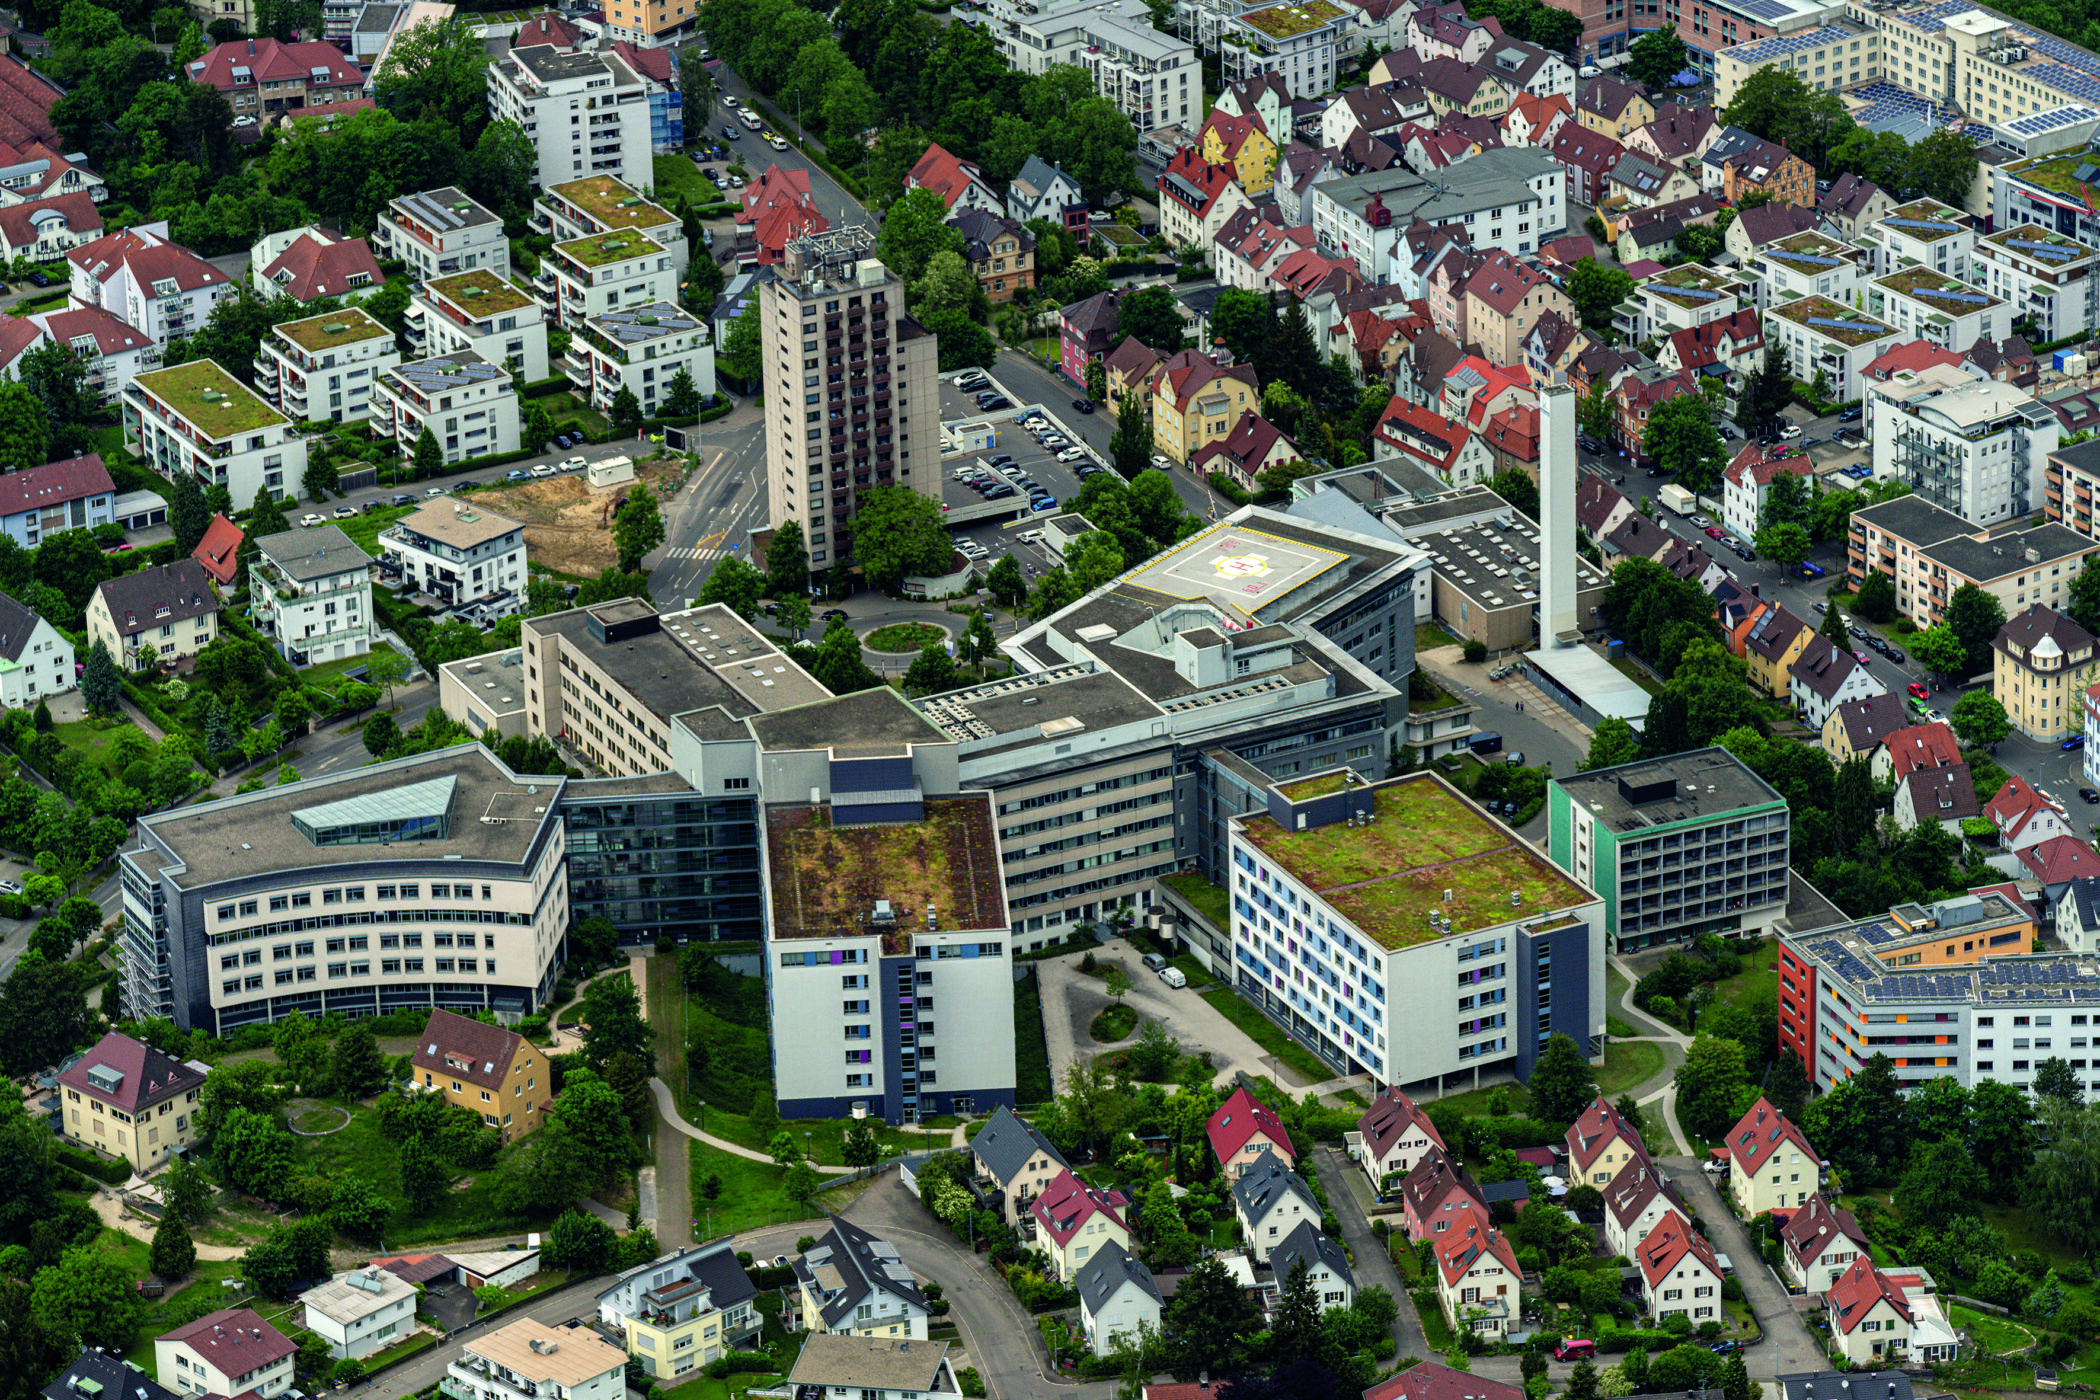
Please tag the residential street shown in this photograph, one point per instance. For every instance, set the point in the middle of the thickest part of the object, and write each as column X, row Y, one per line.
column 1367, row 1253
column 1788, row 1345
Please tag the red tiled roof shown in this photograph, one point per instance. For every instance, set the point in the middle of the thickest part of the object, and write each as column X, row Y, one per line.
column 1232, row 131
column 1922, row 746
column 218, row 551
column 1757, row 1135
column 18, row 222
column 1431, row 1180
column 1755, row 461
column 319, row 265
column 482, row 1051
column 1423, row 433
column 1067, row 1203
column 143, row 1076
column 1391, row 1115
column 55, row 483
column 548, row 28
column 1855, row 1295
column 1470, row 1235
column 1426, row 1380
column 1818, row 1225
column 947, row 175
column 2060, row 858
column 1248, row 446
column 1188, row 173
column 1187, row 373
column 778, row 206
column 150, row 259
column 1637, row 1183
column 26, row 99
column 654, row 64
column 112, row 334
column 1239, row 1119
column 2015, row 804
column 235, row 1341
column 1667, row 1246
column 1599, row 1124
column 1701, row 345
column 1515, row 432
column 269, row 61
column 1912, row 355
column 17, row 335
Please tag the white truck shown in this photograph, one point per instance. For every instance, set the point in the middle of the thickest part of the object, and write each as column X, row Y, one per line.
column 1679, row 499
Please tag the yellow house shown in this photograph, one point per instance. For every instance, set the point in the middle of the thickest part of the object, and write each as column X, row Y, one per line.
column 683, row 1310
column 1857, row 727
column 1775, row 643
column 1073, row 1221
column 1196, row 400
column 154, row 617
column 491, row 1070
column 128, row 1099
column 2041, row 663
column 1241, row 143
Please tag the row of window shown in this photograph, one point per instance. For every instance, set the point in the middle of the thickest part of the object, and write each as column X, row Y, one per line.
column 388, row 967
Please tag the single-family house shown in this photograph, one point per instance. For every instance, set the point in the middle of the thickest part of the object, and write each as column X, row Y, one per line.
column 1117, row 1296
column 1478, row 1278
column 1395, row 1134
column 1432, row 1193
column 1823, row 677
column 1915, row 746
column 1019, row 1161
column 1270, row 1201
column 1870, row 1318
column 2024, row 817
column 1073, row 1220
column 1857, row 728
column 1821, row 1244
column 1771, row 1165
column 1635, row 1202
column 1679, row 1274
column 159, row 616
column 1600, row 1143
column 1326, row 1265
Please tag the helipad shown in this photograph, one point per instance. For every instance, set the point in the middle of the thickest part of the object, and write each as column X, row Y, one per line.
column 1248, row 570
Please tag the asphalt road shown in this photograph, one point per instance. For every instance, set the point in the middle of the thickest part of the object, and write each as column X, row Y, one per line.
column 830, row 196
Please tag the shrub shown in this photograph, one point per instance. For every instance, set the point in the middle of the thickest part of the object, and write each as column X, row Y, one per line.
column 742, row 1363
column 80, row 1159
column 1476, row 650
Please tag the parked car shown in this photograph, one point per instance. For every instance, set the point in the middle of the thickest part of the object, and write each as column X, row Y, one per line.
column 572, row 464
column 1083, row 405
column 345, row 512
column 1173, row 977
column 401, row 499
column 39, row 279
column 1790, row 431
column 1894, row 654
column 1715, row 532
column 544, row 469
column 434, row 492
column 1851, row 415
column 730, row 102
column 829, row 613
column 312, row 519
column 2088, row 795
column 1812, row 571
column 777, row 144
column 730, row 133
column 2073, row 744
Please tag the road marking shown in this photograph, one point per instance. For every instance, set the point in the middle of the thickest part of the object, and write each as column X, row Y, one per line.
column 689, row 552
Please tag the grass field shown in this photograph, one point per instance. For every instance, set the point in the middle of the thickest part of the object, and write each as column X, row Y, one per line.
column 1475, row 1101
column 1627, row 1063
column 364, row 529
column 676, row 175
column 750, row 1199
column 1760, row 975
column 1429, row 636
column 1031, row 1048
column 1267, row 1034
column 91, row 737
column 361, row 1150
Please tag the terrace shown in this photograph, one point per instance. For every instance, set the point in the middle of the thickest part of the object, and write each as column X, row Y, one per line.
column 333, row 331
column 1690, row 286
column 1809, row 252
column 1289, row 21
column 1388, row 876
column 600, row 249
column 828, row 879
column 2053, row 173
column 480, row 293
column 2030, row 241
column 1926, row 211
column 1839, row 323
column 1921, row 283
column 209, row 398
column 611, row 203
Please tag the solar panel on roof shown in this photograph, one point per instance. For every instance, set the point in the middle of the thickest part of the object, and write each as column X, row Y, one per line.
column 1815, row 259
column 2046, row 250
column 1933, row 224
column 1970, row 298
column 1867, row 326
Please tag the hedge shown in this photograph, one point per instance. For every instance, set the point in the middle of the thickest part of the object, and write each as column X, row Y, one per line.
column 742, row 1363
column 82, row 1160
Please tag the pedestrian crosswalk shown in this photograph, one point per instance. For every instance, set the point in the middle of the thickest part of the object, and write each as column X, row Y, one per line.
column 688, row 552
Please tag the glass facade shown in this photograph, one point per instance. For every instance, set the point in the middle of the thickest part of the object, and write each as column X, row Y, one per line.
column 664, row 865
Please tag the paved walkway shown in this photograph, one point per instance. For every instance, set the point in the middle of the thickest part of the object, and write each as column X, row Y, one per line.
column 667, row 1109
column 1674, row 1043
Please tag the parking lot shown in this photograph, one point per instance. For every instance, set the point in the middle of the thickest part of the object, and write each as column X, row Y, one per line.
column 1030, row 460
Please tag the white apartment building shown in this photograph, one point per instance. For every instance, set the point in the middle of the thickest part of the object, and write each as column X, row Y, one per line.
column 603, row 204
column 854, row 424
column 1923, row 234
column 1938, row 307
column 1431, row 1000
column 312, row 592
column 482, row 311
column 228, row 1352
column 112, row 353
column 1301, row 43
column 585, row 113
column 2047, row 275
column 1808, row 264
column 642, row 349
column 1685, row 296
column 197, row 418
column 1154, row 79
column 529, row 1359
column 360, row 1312
column 468, row 404
column 1820, row 333
column 1977, row 447
column 440, row 232
column 457, row 551
column 605, row 272
column 136, row 275
column 36, row 660
column 436, row 880
column 1513, row 198
column 323, row 368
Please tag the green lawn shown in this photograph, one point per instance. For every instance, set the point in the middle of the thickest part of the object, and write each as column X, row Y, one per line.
column 676, row 175
column 1115, row 1023
column 1429, row 636
column 1627, row 1063
column 329, row 670
column 1994, row 1333
column 1267, row 1034
column 1760, row 975
column 1474, row 1102
column 1615, row 988
column 1628, row 668
column 92, row 737
column 364, row 529
column 1211, row 901
column 750, row 1199
column 361, row 1150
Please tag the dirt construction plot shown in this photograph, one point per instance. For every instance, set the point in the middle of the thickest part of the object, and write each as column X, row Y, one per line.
column 568, row 526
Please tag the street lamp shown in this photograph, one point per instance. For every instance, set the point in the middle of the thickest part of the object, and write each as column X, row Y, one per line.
column 703, row 1114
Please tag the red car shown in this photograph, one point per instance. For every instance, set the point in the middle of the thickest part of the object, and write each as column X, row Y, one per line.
column 1918, row 689
column 1715, row 531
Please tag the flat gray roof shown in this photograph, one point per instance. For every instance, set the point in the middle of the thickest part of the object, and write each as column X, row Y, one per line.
column 1065, row 699
column 314, row 552
column 1709, row 783
column 2007, row 554
column 863, row 722
column 692, row 663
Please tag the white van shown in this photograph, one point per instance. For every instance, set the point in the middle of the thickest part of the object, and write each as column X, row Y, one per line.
column 1173, row 977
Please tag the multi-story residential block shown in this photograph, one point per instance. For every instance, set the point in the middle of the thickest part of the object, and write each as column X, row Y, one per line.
column 2041, row 665
column 1675, row 847
column 488, row 1070
column 1771, row 1165
column 1976, row 447
column 75, row 494
column 598, row 273
column 1805, row 264
column 312, row 592
column 1821, row 1244
column 469, row 405
column 1822, row 335
column 1117, row 1298
column 1923, row 234
column 360, row 1312
column 642, row 349
column 136, row 275
column 1196, row 399
column 1682, row 298
column 1398, row 1013
column 312, row 262
column 2046, row 276
column 586, row 113
column 1512, row 198
column 855, row 1284
column 874, row 1368
column 127, row 1099
column 36, row 659
column 528, row 1358
column 1243, row 1131
column 245, row 910
column 1154, row 79
column 1747, row 485
column 112, row 352
column 160, row 616
column 440, row 232
column 683, row 1309
column 1298, row 43
column 456, row 551
column 1938, row 308
column 1930, row 552
column 323, row 368
column 261, row 77
column 228, row 1352
column 864, row 408
column 49, row 228
column 479, row 310
column 1394, row 1135
column 1018, row 1161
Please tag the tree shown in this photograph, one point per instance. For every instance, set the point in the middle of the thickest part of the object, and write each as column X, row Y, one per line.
column 898, row 533
column 88, row 1298
column 43, row 1016
column 1682, row 439
column 860, row 1147
column 424, row 1177
column 437, row 72
column 1876, row 599
column 500, row 170
column 741, row 349
column 1515, row 485
column 734, row 584
column 429, row 457
column 1943, row 1181
column 1153, row 316
column 1834, row 627
column 185, row 1191
column 1561, row 1083
column 793, row 613
column 253, row 1153
column 913, row 230
column 1785, row 545
column 787, row 562
column 1656, row 59
column 682, row 396
column 1007, row 585
column 187, row 513
column 1132, row 443
column 1594, row 417
column 1975, row 618
column 359, row 1072
column 1093, row 559
column 101, row 687
column 25, row 428
column 174, row 1255
column 1980, row 721
column 2064, row 1184
column 1097, row 380
column 696, row 89
column 1597, row 289
column 838, row 664
column 536, row 427
column 1612, row 743
column 582, row 1244
column 638, row 527
column 1213, row 1318
column 2054, row 1079
column 381, row 736
column 1939, row 651
column 626, row 419
column 1710, row 1086
column 933, row 669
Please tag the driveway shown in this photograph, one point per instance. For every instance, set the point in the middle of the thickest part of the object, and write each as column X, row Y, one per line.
column 1071, row 999
column 1372, row 1263
column 1788, row 1345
